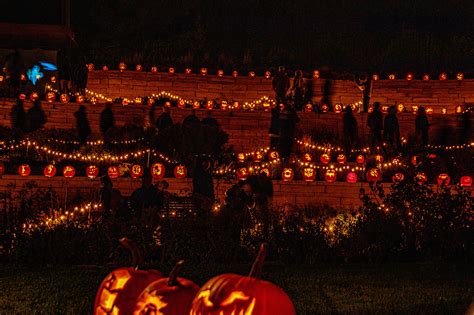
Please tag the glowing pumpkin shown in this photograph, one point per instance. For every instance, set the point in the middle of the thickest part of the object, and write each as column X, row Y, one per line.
column 113, row 171
column 257, row 156
column 265, row 171
column 384, row 109
column 34, row 96
column 316, row 74
column 341, row 158
column 400, row 108
column 157, row 171
column 180, row 171
column 235, row 73
column 22, row 96
column 325, row 158
column 64, row 98
column 268, row 74
column 171, row 70
column 92, row 171
column 374, row 175
column 398, row 177
column 379, row 158
column 309, row 174
column 122, row 66
column 429, row 110
column 203, row 71
column 375, row 77
column 466, row 181
column 90, row 67
column 351, row 177
column 69, row 171
column 443, row 76
column 181, row 104
column 196, row 105
column 120, row 289
column 24, row 170
column 360, row 159
column 421, row 178
column 338, row 108
column 138, row 68
column 307, row 157
column 80, row 99
column 136, row 171
column 210, row 104
column 2, row 168
column 154, row 69
column 391, row 77
column 444, row 179
column 459, row 76
column 50, row 97
column 287, row 174
column 241, row 157
column 167, row 296
column 458, row 109
column 325, row 108
column 426, row 77
column 444, row 110
column 105, row 68
column 220, row 72
column 251, row 74
column 187, row 71
column 242, row 173
column 235, row 294
column 308, row 108
column 330, row 176
column 414, row 160
column 49, row 170
column 409, row 76
column 273, row 156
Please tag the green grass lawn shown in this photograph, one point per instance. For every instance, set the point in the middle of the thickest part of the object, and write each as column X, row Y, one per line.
column 401, row 289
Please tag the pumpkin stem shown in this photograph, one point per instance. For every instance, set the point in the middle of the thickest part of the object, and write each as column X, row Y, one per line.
column 257, row 266
column 174, row 273
column 137, row 258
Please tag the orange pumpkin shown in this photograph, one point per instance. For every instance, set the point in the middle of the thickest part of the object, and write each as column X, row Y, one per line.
column 351, row 177
column 34, row 96
column 360, row 159
column 309, row 174
column 316, row 74
column 2, row 168
column 49, row 170
column 374, row 175
column 273, row 156
column 64, row 98
column 242, row 173
column 257, row 156
column 157, row 171
column 24, row 170
column 235, row 294
column 188, row 71
column 268, row 74
column 220, row 72
column 69, row 171
column 92, row 171
column 330, row 176
column 113, row 171
column 167, row 296
column 444, row 179
column 341, row 158
column 324, row 158
column 398, row 177
column 307, row 157
column 466, row 181
column 421, row 178
column 154, row 69
column 136, row 171
column 180, row 171
column 138, row 68
column 287, row 174
column 50, row 97
column 203, row 71
column 235, row 73
column 119, row 291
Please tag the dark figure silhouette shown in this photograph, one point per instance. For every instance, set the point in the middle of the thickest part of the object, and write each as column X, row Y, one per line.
column 82, row 124
column 298, row 90
column 18, row 117
column 375, row 124
column 191, row 119
column 14, row 67
column 281, row 84
column 365, row 84
column 288, row 121
column 35, row 117
column 209, row 120
column 274, row 130
column 422, row 126
column 110, row 198
column 391, row 130
column 144, row 197
column 327, row 93
column 151, row 115
column 164, row 121
column 203, row 186
column 107, row 119
column 465, row 126
column 350, row 131
column 64, row 71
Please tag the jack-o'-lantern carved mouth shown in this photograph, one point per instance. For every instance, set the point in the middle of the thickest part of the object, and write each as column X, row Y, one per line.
column 228, row 306
column 152, row 304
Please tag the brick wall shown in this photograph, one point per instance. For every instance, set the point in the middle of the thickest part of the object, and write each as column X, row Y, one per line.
column 247, row 130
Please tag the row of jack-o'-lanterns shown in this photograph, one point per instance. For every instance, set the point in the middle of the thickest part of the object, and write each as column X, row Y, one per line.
column 426, row 77
column 325, row 158
column 157, row 171
column 51, row 97
column 372, row 175
column 133, row 291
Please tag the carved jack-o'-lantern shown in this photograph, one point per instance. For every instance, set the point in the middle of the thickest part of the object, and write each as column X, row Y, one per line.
column 325, row 108
column 458, row 109
column 50, row 97
column 157, row 171
column 235, row 294
column 203, row 71
column 236, row 106
column 122, row 66
column 180, row 171
column 121, row 288
column 273, row 156
column 384, row 109
column 251, row 74
column 421, row 178
column 241, row 157
column 34, row 96
column 309, row 174
column 351, row 177
column 138, row 100
column 375, row 77
column 92, row 171
column 360, row 159
column 220, row 72
column 171, row 70
column 330, row 176
column 308, row 108
column 398, row 177
column 400, row 108
column 225, row 105
column 316, row 74
column 268, row 74
column 341, row 158
column 69, row 171
column 49, row 170
column 181, row 104
column 409, row 76
column 80, row 99
column 138, row 68
column 150, row 101
column 22, row 96
column 325, row 158
column 374, row 175
column 167, row 296
column 443, row 76
column 379, row 158
column 210, row 104
column 154, row 69
column 307, row 157
column 444, row 179
column 414, row 160
column 235, row 73
column 196, row 105
column 24, row 170
column 265, row 171
column 338, row 108
column 64, row 98
column 257, row 156
column 105, row 68
column 90, row 67
column 242, row 173
column 426, row 77
column 2, row 168
column 136, row 171
column 53, row 79
column 444, row 110
column 287, row 174
column 113, row 171
column 459, row 76
column 188, row 71
column 466, row 181
column 391, row 76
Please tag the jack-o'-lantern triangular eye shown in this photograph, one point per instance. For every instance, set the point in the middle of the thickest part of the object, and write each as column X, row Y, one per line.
column 205, row 298
column 237, row 295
